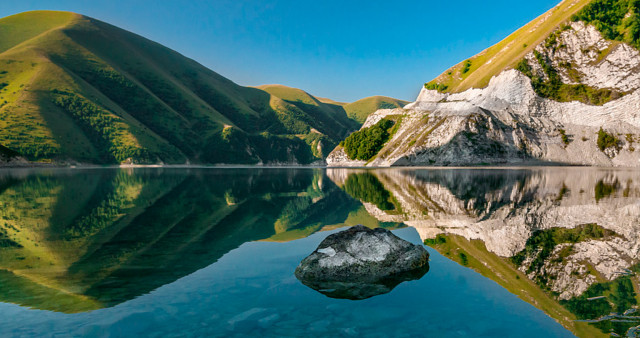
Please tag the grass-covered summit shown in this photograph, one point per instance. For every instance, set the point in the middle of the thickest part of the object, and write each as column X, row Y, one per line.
column 73, row 88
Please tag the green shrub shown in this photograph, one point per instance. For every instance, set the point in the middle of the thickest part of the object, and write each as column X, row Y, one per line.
column 464, row 260
column 366, row 143
column 604, row 190
column 606, row 140
column 553, row 87
column 466, row 67
column 436, row 86
column 564, row 137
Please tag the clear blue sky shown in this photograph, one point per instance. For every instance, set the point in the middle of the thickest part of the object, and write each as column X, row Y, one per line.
column 344, row 50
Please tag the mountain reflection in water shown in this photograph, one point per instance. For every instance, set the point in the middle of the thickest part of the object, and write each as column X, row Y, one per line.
column 565, row 240
column 76, row 241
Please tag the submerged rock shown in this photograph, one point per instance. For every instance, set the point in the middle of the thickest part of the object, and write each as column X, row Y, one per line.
column 359, row 263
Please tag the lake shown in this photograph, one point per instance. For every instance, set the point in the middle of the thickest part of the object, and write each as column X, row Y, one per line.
column 160, row 252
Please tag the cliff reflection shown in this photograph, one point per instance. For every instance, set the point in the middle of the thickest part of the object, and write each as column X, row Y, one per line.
column 566, row 240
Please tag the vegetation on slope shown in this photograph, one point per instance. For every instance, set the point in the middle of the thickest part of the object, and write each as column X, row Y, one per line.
column 474, row 254
column 553, row 88
column 615, row 19
column 607, row 140
column 356, row 112
column 366, row 143
column 478, row 70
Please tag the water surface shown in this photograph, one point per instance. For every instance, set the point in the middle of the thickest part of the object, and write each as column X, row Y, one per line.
column 174, row 252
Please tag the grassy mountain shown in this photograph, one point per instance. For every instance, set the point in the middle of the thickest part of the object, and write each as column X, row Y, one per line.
column 361, row 109
column 356, row 111
column 73, row 88
column 478, row 70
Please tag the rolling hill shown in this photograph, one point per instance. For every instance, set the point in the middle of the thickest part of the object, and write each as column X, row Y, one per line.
column 361, row 109
column 357, row 111
column 75, row 89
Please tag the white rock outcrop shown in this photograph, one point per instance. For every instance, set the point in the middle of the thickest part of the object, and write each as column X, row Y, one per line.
column 507, row 122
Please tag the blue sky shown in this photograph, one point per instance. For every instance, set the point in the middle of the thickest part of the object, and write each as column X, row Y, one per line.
column 344, row 50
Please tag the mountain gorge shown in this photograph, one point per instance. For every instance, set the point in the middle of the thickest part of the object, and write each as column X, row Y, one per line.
column 77, row 90
column 563, row 89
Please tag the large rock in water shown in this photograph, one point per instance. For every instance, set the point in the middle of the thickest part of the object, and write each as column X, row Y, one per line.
column 359, row 263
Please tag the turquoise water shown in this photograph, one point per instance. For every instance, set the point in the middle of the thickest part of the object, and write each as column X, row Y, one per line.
column 252, row 291
column 212, row 252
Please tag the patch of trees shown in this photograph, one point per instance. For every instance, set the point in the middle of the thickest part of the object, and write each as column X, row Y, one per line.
column 618, row 296
column 107, row 205
column 615, row 19
column 235, row 146
column 136, row 101
column 606, row 140
column 366, row 143
column 436, row 86
column 553, row 88
column 6, row 242
column 466, row 66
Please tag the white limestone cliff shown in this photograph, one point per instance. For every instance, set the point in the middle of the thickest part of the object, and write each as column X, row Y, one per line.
column 507, row 122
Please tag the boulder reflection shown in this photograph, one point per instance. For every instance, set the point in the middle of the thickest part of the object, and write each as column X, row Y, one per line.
column 362, row 290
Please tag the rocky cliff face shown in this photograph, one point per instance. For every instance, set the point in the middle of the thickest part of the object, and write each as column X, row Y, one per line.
column 509, row 122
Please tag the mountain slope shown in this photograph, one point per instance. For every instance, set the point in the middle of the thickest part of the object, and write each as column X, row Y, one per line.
column 362, row 108
column 476, row 72
column 357, row 111
column 75, row 89
column 572, row 98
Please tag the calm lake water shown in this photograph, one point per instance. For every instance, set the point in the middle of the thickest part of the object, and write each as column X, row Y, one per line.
column 537, row 252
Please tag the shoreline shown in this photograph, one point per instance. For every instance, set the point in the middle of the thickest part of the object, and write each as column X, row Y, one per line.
column 510, row 166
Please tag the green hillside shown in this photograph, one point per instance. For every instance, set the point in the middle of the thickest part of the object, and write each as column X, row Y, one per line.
column 357, row 111
column 75, row 89
column 361, row 109
column 478, row 70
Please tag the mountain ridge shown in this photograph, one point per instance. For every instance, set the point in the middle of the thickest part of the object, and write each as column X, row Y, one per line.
column 74, row 89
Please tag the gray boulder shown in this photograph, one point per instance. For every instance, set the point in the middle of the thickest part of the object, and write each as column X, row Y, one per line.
column 359, row 263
